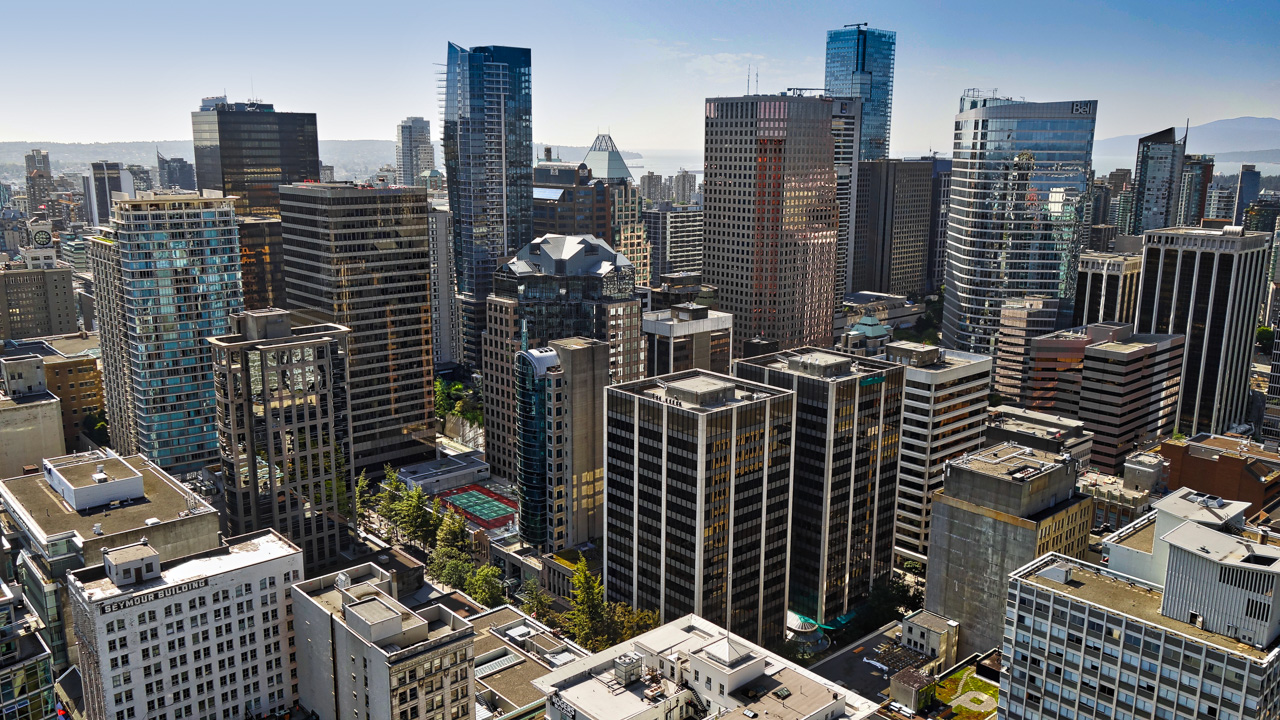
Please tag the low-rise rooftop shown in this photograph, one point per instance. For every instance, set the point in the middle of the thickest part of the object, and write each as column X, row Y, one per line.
column 1010, row 461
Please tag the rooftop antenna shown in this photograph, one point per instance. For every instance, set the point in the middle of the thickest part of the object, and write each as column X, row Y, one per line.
column 748, row 79
column 757, row 79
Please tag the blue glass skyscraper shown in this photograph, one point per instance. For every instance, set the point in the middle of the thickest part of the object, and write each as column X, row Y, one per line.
column 860, row 64
column 488, row 157
column 167, row 279
column 1018, row 180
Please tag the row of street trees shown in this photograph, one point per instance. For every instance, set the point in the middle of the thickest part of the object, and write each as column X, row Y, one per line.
column 593, row 622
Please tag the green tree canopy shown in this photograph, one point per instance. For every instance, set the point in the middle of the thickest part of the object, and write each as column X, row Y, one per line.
column 485, row 586
column 588, row 621
column 453, row 533
column 1265, row 338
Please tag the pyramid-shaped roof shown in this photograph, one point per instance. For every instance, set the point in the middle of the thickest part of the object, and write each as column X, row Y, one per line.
column 605, row 161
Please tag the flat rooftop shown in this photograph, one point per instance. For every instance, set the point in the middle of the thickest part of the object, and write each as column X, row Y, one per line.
column 932, row 621
column 510, row 674
column 81, row 474
column 1238, row 446
column 9, row 401
column 785, row 694
column 1200, row 507
column 700, row 391
column 238, row 553
column 40, row 506
column 1092, row 584
column 1011, row 461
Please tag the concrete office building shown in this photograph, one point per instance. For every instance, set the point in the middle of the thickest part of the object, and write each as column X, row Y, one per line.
column 1054, row 434
column 1220, row 203
column 1107, row 287
column 133, row 611
column 687, row 337
column 104, row 179
column 1200, row 639
column 488, row 158
column 30, row 415
column 40, row 181
column 360, row 257
column 1248, row 187
column 555, row 287
column 415, row 154
column 1020, row 320
column 72, row 378
column 1207, row 285
column 774, row 270
column 664, row 547
column 892, row 226
column 844, row 475
column 1197, row 177
column 846, row 138
column 675, row 240
column 362, row 655
column 1001, row 508
column 560, row 461
column 36, row 302
column 690, row 668
column 944, row 413
column 1016, row 225
column 247, row 150
column 64, row 516
column 860, row 63
column 1157, row 182
column 154, row 321
column 261, row 262
column 284, row 431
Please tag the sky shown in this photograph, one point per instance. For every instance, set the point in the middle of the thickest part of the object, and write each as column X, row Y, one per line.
column 640, row 70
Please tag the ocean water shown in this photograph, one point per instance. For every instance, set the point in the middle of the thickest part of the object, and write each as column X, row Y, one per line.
column 666, row 162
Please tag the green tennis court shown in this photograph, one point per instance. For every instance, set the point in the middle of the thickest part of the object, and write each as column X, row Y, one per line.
column 480, row 505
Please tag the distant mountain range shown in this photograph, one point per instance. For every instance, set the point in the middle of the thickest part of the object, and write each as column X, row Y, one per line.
column 1235, row 140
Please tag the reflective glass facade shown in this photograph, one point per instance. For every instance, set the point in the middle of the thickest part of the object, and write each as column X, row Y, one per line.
column 860, row 65
column 488, row 156
column 249, row 150
column 168, row 279
column 1016, row 227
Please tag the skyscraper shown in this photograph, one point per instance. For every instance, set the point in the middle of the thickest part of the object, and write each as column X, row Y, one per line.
column 688, row 529
column 674, row 234
column 892, row 226
column 175, row 173
column 414, row 152
column 771, row 217
column 1197, row 176
column 284, row 431
column 488, row 157
column 261, row 262
column 1207, row 285
column 1106, row 287
column 360, row 257
column 555, row 287
column 940, row 208
column 161, row 294
column 651, row 188
column 687, row 336
column 560, row 463
column 1015, row 224
column 945, row 419
column 1157, row 182
column 104, row 178
column 248, row 150
column 844, row 474
column 1248, row 187
column 860, row 65
column 846, row 134
column 683, row 185
column 40, row 181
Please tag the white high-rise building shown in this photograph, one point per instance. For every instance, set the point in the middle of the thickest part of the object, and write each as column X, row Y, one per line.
column 208, row 635
column 1016, row 225
column 414, row 152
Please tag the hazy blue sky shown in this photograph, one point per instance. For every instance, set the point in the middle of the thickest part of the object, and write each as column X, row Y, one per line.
column 100, row 71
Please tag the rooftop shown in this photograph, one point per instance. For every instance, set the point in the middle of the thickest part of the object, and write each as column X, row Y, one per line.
column 511, row 651
column 1018, row 463
column 238, row 553
column 37, row 506
column 567, row 255
column 1129, row 596
column 34, row 398
column 930, row 621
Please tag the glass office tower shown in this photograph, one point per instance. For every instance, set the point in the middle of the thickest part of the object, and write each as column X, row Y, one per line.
column 1018, row 181
column 488, row 157
column 860, row 65
column 249, row 150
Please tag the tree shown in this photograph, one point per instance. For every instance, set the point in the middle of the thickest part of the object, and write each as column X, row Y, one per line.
column 415, row 516
column 450, row 566
column 94, row 426
column 363, row 499
column 625, row 622
column 485, row 586
column 914, row 567
column 537, row 602
column 393, row 491
column 1265, row 338
column 995, row 399
column 453, row 533
column 588, row 620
